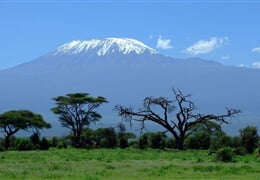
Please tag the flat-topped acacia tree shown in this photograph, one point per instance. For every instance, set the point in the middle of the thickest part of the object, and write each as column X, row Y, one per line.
column 77, row 110
column 13, row 121
column 158, row 110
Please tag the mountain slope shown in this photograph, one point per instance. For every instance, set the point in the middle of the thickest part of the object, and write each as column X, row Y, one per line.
column 103, row 47
column 125, row 71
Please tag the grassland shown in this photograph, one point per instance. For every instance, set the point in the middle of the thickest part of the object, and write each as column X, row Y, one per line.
column 124, row 164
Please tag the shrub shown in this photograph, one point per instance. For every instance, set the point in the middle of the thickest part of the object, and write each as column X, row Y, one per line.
column 24, row 145
column 240, row 150
column 200, row 140
column 225, row 154
column 158, row 140
column 170, row 143
column 44, row 144
column 220, row 142
column 249, row 138
column 106, row 137
column 35, row 138
column 54, row 141
column 123, row 142
column 2, row 148
column 2, row 144
column 61, row 145
column 143, row 141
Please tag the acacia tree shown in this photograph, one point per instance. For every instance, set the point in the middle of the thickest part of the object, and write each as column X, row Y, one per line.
column 186, row 122
column 77, row 111
column 13, row 121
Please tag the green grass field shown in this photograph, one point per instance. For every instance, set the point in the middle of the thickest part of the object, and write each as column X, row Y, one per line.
column 124, row 164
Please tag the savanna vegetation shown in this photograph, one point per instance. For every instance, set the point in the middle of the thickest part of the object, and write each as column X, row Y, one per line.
column 130, row 163
column 192, row 145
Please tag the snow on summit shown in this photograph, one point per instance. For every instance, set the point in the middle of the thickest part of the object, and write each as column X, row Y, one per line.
column 103, row 47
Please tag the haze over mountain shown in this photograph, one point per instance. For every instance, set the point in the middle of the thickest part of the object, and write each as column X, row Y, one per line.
column 125, row 71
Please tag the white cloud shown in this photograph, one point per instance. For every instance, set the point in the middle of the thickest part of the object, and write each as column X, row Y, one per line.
column 206, row 46
column 163, row 43
column 227, row 57
column 257, row 50
column 256, row 64
column 243, row 65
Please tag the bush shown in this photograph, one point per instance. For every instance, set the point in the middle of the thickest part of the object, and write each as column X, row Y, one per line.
column 240, row 150
column 106, row 137
column 61, row 145
column 123, row 143
column 2, row 144
column 200, row 140
column 54, row 141
column 158, row 140
column 170, row 143
column 220, row 142
column 2, row 148
column 225, row 154
column 44, row 144
column 35, row 138
column 143, row 141
column 249, row 138
column 24, row 145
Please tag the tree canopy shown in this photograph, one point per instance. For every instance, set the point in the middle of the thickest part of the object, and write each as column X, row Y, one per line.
column 13, row 121
column 158, row 110
column 77, row 110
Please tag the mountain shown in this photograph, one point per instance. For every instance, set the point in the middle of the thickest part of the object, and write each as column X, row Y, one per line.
column 104, row 47
column 125, row 71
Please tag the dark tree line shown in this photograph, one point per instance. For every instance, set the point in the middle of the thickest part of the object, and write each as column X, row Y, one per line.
column 178, row 117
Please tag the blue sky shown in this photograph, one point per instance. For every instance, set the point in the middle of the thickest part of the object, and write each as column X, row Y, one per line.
column 224, row 31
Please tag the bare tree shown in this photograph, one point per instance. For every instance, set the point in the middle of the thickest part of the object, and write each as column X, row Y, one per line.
column 186, row 122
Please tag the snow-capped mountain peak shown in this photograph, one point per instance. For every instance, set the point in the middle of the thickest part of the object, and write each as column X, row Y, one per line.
column 103, row 47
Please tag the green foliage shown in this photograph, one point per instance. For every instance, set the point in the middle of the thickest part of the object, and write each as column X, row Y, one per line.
column 2, row 144
column 240, row 150
column 143, row 142
column 202, row 135
column 44, row 144
column 123, row 142
column 220, row 142
column 76, row 112
column 156, row 140
column 106, row 137
column 54, row 141
column 35, row 138
column 249, row 138
column 13, row 121
column 225, row 154
column 24, row 144
column 126, row 139
column 170, row 143
column 89, row 138
column 200, row 140
column 61, row 145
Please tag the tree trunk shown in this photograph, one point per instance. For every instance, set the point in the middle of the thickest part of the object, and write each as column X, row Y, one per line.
column 180, row 143
column 7, row 142
column 77, row 141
